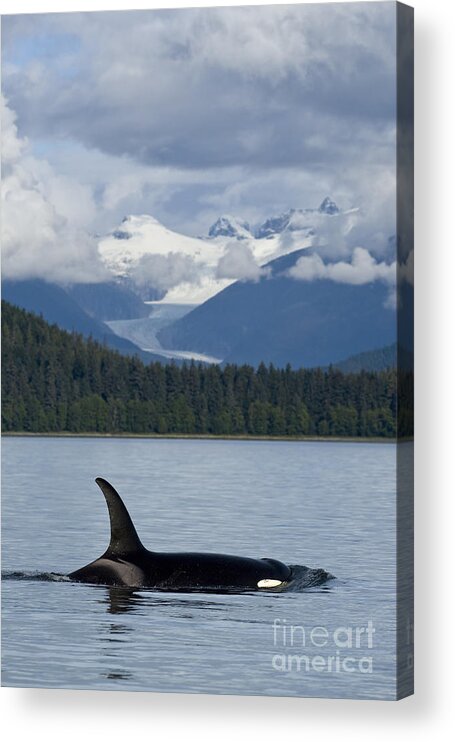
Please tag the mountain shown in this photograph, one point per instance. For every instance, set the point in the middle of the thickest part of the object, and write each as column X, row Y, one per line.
column 58, row 306
column 162, row 264
column 108, row 301
column 281, row 320
column 391, row 356
column 328, row 207
column 371, row 360
column 295, row 220
column 229, row 226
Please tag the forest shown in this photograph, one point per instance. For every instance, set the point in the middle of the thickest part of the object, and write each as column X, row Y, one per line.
column 54, row 381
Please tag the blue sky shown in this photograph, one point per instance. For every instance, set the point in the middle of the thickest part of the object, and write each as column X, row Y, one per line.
column 189, row 114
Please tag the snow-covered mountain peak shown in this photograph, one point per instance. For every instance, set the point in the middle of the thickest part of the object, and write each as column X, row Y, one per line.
column 230, row 226
column 134, row 224
column 145, row 252
column 328, row 206
column 186, row 269
column 297, row 220
column 293, row 220
column 274, row 225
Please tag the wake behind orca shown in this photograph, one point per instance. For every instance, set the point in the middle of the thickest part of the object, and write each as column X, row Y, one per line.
column 127, row 562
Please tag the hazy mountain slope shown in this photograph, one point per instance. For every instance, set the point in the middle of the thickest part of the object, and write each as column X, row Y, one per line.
column 108, row 301
column 57, row 306
column 179, row 269
column 371, row 360
column 281, row 320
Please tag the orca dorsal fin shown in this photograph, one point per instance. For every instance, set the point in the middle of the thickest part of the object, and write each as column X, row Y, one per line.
column 124, row 538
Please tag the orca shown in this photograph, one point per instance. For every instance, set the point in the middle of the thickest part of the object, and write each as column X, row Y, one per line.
column 127, row 562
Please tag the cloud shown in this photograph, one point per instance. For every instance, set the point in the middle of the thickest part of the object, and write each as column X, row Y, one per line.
column 164, row 272
column 238, row 263
column 332, row 234
column 369, row 187
column 406, row 270
column 245, row 110
column 12, row 145
column 43, row 217
column 362, row 269
column 213, row 87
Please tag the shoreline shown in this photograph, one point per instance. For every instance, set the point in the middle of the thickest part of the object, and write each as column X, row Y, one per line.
column 207, row 436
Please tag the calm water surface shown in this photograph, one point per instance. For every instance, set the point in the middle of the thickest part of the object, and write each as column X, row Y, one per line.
column 329, row 505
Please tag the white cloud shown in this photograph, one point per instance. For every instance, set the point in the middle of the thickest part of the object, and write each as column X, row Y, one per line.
column 211, row 111
column 43, row 216
column 210, row 87
column 238, row 263
column 164, row 272
column 406, row 269
column 362, row 269
column 333, row 233
column 244, row 110
column 12, row 145
column 370, row 188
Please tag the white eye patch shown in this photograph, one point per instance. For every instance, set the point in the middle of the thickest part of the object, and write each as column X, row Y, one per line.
column 269, row 583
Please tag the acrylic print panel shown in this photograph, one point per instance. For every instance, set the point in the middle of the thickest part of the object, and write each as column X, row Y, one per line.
column 207, row 242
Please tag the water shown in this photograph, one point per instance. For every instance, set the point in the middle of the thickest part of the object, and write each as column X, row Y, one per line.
column 323, row 505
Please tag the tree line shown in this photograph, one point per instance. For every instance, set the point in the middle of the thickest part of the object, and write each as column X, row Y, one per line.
column 55, row 381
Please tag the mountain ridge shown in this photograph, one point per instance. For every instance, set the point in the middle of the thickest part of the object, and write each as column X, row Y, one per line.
column 186, row 269
column 281, row 320
column 57, row 306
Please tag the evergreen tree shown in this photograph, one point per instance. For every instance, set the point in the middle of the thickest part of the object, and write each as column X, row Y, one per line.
column 56, row 381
